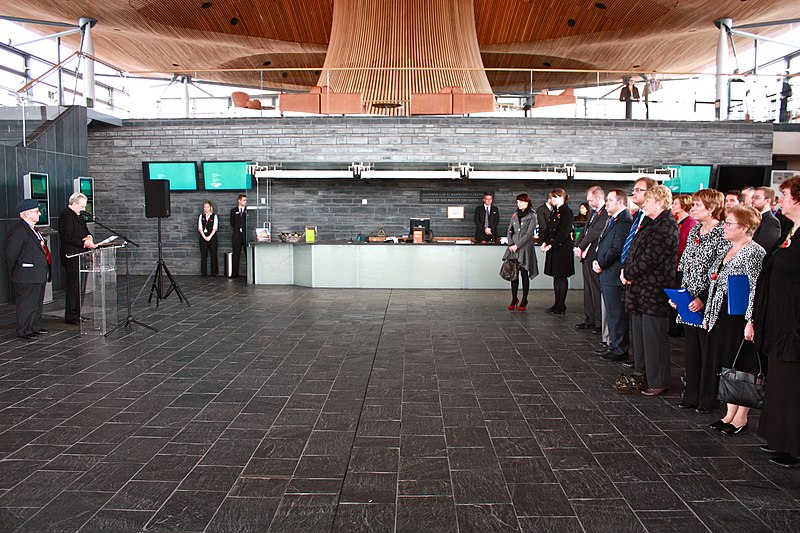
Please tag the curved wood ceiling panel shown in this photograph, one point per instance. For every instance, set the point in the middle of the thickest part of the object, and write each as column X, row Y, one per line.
column 656, row 35
column 280, row 20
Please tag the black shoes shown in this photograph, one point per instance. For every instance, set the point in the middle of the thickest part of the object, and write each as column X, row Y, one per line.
column 686, row 406
column 42, row 330
column 730, row 429
column 29, row 337
column 718, row 425
column 628, row 365
column 766, row 449
column 584, row 326
column 702, row 410
column 785, row 460
column 597, row 331
column 611, row 356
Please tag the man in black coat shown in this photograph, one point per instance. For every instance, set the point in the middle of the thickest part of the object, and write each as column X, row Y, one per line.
column 607, row 265
column 769, row 231
column 75, row 238
column 239, row 231
column 28, row 264
column 585, row 250
column 487, row 218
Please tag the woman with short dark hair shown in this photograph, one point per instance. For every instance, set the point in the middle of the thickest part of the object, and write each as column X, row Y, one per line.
column 520, row 248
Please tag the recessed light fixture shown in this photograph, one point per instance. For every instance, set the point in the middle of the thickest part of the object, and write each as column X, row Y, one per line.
column 600, row 5
column 571, row 22
column 547, row 64
column 284, row 74
column 636, row 66
column 316, row 73
column 206, row 5
column 175, row 65
column 234, row 21
column 267, row 63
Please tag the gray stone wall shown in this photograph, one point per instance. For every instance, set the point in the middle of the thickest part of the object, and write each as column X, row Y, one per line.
column 335, row 206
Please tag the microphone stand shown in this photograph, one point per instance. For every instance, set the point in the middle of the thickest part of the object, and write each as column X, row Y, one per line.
column 129, row 319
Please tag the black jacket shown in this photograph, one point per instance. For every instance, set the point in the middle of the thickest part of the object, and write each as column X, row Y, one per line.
column 609, row 248
column 238, row 224
column 650, row 265
column 494, row 221
column 559, row 260
column 26, row 261
column 768, row 232
column 591, row 234
column 71, row 231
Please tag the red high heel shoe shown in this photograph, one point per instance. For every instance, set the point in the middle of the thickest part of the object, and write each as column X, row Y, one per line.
column 522, row 306
column 513, row 305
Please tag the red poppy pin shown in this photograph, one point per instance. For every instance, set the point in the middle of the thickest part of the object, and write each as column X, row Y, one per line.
column 714, row 276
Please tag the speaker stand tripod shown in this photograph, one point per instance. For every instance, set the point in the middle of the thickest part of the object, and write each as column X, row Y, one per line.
column 159, row 271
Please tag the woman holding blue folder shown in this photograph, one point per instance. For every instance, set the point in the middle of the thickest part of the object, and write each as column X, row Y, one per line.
column 743, row 257
column 704, row 245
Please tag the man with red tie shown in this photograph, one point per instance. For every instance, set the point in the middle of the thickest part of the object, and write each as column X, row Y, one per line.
column 28, row 264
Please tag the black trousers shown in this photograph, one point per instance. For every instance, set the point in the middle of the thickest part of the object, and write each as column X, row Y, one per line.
column 617, row 318
column 592, row 309
column 72, row 297
column 29, row 300
column 651, row 348
column 237, row 243
column 208, row 248
column 701, row 370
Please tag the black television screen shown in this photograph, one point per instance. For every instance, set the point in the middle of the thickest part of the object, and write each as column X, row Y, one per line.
column 226, row 176
column 182, row 175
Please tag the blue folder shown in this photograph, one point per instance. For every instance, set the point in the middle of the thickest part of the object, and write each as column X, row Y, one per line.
column 682, row 299
column 738, row 294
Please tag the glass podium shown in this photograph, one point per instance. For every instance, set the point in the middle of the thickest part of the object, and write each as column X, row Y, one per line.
column 98, row 271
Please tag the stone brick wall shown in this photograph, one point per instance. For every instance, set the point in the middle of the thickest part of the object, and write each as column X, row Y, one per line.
column 335, row 206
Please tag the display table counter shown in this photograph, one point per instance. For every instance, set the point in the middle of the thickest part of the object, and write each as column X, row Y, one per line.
column 388, row 266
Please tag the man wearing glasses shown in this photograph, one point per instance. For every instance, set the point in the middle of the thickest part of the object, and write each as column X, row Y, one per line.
column 28, row 263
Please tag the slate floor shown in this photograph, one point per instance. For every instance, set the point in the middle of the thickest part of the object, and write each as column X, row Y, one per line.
column 285, row 409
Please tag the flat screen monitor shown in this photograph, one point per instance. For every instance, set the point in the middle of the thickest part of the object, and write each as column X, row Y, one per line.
column 182, row 175
column 43, row 215
column 226, row 176
column 86, row 187
column 419, row 223
column 39, row 186
column 689, row 178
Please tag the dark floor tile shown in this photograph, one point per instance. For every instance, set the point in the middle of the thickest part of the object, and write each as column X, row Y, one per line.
column 244, row 515
column 116, row 521
column 570, row 459
column 364, row 518
column 250, row 487
column 761, row 495
column 307, row 513
column 425, row 487
column 479, row 486
column 369, row 488
column 167, row 468
column 486, row 519
column 142, row 495
column 473, row 459
column 698, row 488
column 12, row 518
column 300, row 486
column 211, row 478
column 14, row 471
column 606, row 516
column 106, row 477
column 66, row 512
column 550, row 524
column 650, row 496
column 422, row 446
column 540, row 499
column 429, row 514
column 731, row 517
column 670, row 521
column 38, row 489
column 622, row 467
column 527, row 470
column 516, row 447
column 257, row 467
column 186, row 511
column 782, row 521
column 311, row 466
column 334, row 443
column 583, row 484
column 374, row 460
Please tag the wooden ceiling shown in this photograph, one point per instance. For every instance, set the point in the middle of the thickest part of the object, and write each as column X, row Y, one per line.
column 196, row 35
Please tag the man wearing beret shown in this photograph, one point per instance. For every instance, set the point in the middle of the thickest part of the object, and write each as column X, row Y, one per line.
column 28, row 264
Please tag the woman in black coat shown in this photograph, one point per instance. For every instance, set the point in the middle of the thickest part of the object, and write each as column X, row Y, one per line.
column 649, row 269
column 559, row 261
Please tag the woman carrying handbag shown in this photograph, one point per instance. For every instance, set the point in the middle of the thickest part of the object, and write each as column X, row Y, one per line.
column 520, row 248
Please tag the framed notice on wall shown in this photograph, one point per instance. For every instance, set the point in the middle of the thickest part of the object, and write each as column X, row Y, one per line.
column 455, row 212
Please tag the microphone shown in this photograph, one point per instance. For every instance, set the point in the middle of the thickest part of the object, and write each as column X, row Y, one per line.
column 87, row 216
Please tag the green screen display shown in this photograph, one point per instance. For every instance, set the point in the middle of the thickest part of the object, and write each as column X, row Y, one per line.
column 43, row 217
column 86, row 187
column 182, row 176
column 689, row 178
column 226, row 176
column 38, row 186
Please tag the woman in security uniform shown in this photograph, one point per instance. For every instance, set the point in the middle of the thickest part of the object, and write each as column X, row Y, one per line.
column 207, row 226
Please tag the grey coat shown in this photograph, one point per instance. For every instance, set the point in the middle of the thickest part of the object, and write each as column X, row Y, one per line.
column 520, row 232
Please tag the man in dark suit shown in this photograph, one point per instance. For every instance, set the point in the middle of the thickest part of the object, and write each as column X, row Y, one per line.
column 28, row 264
column 543, row 215
column 585, row 250
column 239, row 231
column 607, row 265
column 75, row 238
column 487, row 218
column 769, row 231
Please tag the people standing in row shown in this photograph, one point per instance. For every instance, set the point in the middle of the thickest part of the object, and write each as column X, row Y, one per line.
column 681, row 205
column 207, row 226
column 742, row 256
column 487, row 218
column 648, row 270
column 75, row 238
column 520, row 248
column 607, row 266
column 28, row 264
column 558, row 247
column 542, row 216
column 733, row 198
column 239, row 232
column 586, row 251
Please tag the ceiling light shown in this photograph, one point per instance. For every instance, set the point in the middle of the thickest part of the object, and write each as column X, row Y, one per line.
column 600, row 5
column 206, row 5
column 571, row 22
column 234, row 21
column 284, row 74
column 547, row 64
column 267, row 63
column 175, row 65
column 636, row 66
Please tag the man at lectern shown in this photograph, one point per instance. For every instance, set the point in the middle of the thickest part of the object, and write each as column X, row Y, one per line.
column 75, row 238
column 239, row 231
column 28, row 264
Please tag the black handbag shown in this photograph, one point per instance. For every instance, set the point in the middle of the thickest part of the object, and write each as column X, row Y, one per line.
column 509, row 270
column 742, row 388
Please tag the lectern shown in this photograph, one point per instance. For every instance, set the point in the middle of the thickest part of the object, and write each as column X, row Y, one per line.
column 98, row 271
